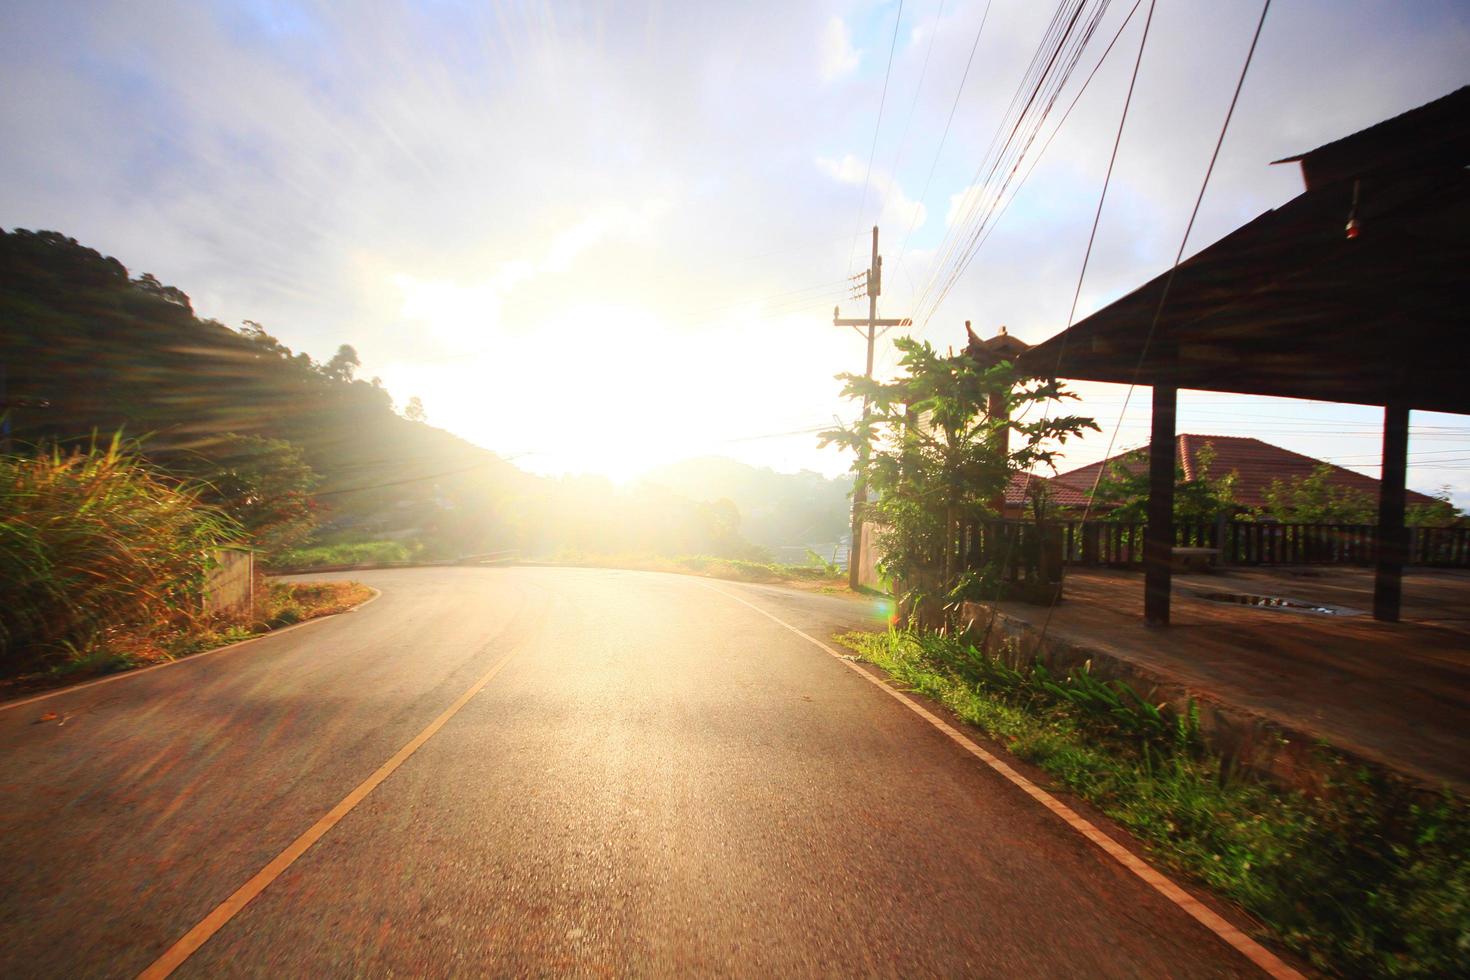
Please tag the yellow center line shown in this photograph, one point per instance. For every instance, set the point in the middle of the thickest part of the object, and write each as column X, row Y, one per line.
column 196, row 937
column 1262, row 957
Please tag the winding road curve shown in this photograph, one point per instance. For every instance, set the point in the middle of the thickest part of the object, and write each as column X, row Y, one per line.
column 651, row 778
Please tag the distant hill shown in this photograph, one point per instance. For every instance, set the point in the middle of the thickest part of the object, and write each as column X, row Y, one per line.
column 785, row 512
column 85, row 347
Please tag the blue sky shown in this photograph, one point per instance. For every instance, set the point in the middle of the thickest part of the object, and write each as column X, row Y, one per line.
column 603, row 237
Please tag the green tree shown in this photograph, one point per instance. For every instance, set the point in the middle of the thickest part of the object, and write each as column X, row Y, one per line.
column 342, row 364
column 414, row 411
column 935, row 455
column 264, row 485
column 1317, row 499
column 1441, row 513
column 1122, row 492
column 149, row 284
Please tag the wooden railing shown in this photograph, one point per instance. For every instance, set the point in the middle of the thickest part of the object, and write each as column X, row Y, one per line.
column 1440, row 547
column 1119, row 543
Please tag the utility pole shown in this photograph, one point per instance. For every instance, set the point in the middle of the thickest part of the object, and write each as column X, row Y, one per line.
column 860, row 485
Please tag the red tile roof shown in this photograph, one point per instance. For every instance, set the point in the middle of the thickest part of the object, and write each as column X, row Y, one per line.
column 1062, row 495
column 1254, row 462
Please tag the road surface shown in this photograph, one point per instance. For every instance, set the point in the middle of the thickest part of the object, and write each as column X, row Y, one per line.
column 656, row 779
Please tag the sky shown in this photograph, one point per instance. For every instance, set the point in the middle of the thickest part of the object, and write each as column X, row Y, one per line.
column 599, row 238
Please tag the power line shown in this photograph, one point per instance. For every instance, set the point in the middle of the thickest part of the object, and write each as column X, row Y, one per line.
column 1033, row 71
column 918, row 89
column 1052, row 66
column 877, row 126
column 1062, row 122
column 945, row 136
column 414, row 479
column 1092, row 235
column 1164, row 295
column 788, row 301
column 1183, row 242
column 924, row 326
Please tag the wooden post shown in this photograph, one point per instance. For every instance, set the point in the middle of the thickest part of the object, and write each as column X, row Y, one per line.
column 872, row 323
column 860, row 484
column 1388, row 577
column 996, row 408
column 1158, row 539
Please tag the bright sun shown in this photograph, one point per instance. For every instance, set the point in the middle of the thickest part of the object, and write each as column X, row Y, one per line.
column 617, row 389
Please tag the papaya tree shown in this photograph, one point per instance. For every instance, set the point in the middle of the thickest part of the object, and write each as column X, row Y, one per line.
column 940, row 442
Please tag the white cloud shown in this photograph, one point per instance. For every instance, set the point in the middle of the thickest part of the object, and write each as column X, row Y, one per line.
column 453, row 309
column 612, row 221
column 973, row 200
column 497, row 171
column 895, row 208
column 838, row 56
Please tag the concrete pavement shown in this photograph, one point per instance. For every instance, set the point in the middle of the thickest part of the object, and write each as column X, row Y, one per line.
column 658, row 781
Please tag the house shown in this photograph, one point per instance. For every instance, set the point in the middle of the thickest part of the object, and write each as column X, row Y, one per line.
column 1062, row 496
column 1254, row 463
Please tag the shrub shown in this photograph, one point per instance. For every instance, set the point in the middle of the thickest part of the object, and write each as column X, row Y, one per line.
column 97, row 551
column 348, row 553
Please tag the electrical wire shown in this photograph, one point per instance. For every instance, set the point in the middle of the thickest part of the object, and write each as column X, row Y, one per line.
column 1091, row 238
column 887, row 357
column 959, row 90
column 918, row 89
column 1179, row 255
column 877, row 127
column 1183, row 243
column 1052, row 67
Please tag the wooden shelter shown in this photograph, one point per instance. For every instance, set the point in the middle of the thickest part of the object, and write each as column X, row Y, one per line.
column 1356, row 291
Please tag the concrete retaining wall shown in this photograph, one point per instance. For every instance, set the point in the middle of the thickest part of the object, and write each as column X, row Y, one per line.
column 229, row 587
column 1287, row 756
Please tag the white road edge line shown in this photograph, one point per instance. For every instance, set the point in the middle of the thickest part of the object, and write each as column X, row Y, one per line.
column 1262, row 957
column 191, row 658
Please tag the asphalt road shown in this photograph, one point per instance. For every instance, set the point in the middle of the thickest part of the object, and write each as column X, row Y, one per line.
column 658, row 781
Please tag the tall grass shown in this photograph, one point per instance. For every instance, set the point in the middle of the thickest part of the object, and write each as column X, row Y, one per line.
column 345, row 553
column 98, row 552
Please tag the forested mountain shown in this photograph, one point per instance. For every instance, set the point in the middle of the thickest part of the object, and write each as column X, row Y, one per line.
column 777, row 510
column 289, row 445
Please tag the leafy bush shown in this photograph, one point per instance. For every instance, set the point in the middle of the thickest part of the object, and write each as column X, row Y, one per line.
column 97, row 551
column 353, row 553
column 755, row 571
column 263, row 484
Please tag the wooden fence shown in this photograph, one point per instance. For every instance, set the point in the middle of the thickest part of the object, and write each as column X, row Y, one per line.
column 1117, row 543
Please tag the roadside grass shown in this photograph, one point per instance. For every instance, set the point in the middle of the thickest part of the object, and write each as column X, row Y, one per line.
column 755, row 571
column 98, row 549
column 711, row 566
column 1370, row 878
column 278, row 604
column 822, row 574
column 296, row 602
column 347, row 553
